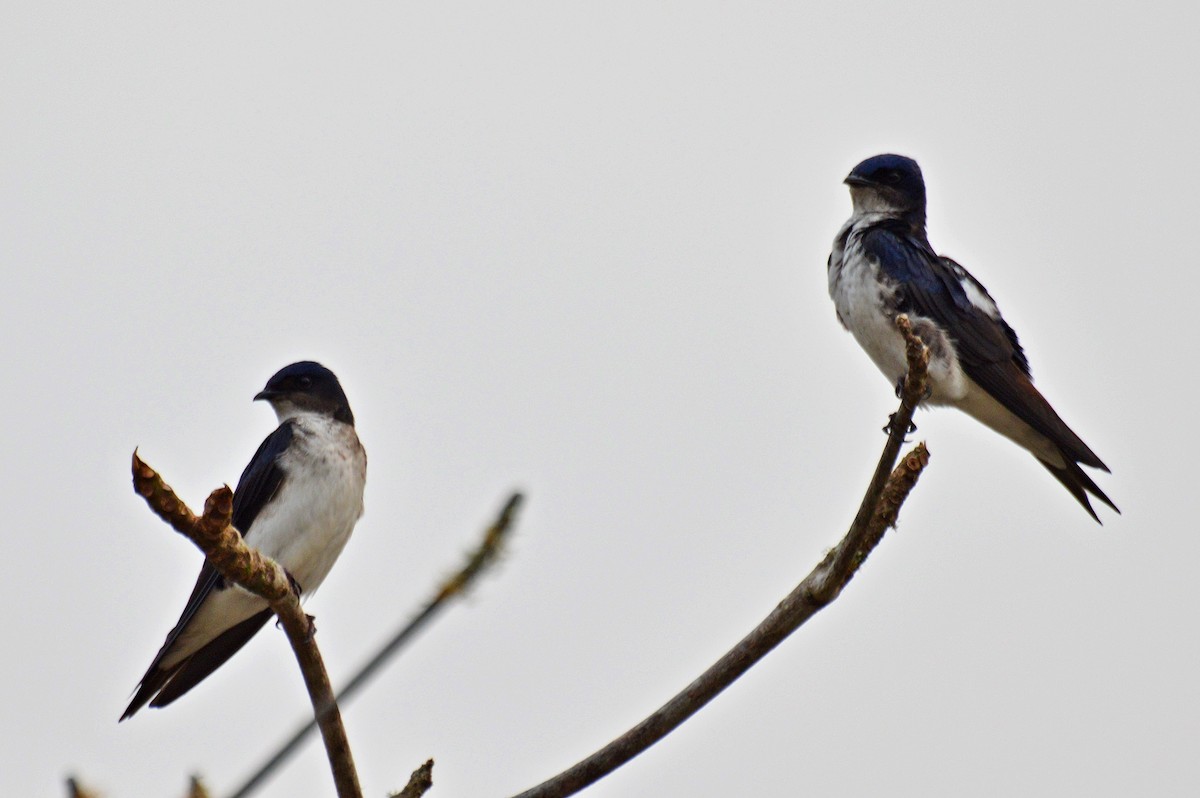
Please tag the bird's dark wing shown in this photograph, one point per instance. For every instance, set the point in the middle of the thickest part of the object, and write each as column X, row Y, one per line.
column 259, row 483
column 987, row 348
column 262, row 478
column 931, row 286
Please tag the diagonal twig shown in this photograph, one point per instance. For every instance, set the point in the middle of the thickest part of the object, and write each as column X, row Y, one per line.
column 878, row 511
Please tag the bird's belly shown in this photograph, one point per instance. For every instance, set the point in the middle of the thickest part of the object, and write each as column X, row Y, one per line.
column 866, row 306
column 862, row 304
column 306, row 527
column 308, row 535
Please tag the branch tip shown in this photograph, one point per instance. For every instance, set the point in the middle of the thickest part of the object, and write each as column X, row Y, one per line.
column 487, row 552
column 418, row 783
column 511, row 506
column 196, row 788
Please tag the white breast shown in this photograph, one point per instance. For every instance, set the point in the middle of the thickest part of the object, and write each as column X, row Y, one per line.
column 863, row 302
column 307, row 524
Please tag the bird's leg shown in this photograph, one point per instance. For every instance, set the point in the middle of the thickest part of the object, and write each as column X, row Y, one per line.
column 912, row 427
column 312, row 621
column 887, row 428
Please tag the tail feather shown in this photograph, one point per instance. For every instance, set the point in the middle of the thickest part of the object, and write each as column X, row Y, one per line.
column 1079, row 484
column 154, row 680
column 161, row 686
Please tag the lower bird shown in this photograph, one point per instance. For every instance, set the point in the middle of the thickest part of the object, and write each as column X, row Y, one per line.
column 297, row 502
column 882, row 265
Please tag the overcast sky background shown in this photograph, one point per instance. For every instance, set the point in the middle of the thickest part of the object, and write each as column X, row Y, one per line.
column 579, row 249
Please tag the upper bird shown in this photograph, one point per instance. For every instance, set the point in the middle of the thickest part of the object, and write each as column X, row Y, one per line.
column 882, row 265
column 297, row 502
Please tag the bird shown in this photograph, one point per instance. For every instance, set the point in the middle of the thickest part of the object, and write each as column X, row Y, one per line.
column 882, row 265
column 296, row 502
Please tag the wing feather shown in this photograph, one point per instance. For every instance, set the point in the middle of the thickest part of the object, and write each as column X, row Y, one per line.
column 987, row 347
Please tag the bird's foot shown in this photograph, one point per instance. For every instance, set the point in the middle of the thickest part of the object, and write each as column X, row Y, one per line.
column 312, row 626
column 297, row 590
column 887, row 428
column 295, row 585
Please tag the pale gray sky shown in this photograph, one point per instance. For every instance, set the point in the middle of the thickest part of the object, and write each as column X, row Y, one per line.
column 580, row 249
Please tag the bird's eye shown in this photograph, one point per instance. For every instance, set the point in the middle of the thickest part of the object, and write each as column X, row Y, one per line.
column 891, row 178
column 306, row 382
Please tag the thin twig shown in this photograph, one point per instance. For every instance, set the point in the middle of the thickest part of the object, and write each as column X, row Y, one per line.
column 244, row 566
column 483, row 556
column 864, row 534
column 880, row 505
column 418, row 783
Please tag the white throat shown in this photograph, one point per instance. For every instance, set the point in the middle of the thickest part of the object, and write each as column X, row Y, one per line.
column 869, row 201
column 286, row 411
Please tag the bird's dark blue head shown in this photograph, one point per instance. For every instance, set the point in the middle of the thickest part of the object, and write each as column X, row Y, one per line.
column 307, row 387
column 889, row 184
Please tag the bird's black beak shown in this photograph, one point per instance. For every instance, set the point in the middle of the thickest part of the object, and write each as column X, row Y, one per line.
column 854, row 180
column 266, row 393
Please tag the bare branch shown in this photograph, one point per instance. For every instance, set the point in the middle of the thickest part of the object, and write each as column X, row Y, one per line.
column 879, row 508
column 242, row 565
column 866, row 530
column 418, row 783
column 478, row 562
